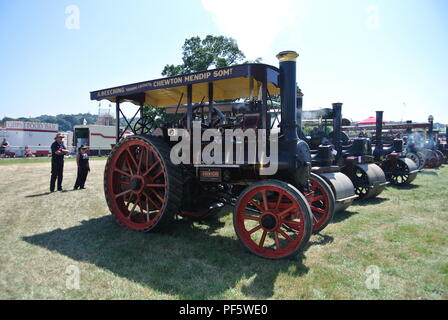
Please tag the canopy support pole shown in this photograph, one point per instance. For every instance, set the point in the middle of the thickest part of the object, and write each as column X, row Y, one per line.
column 117, row 117
column 264, row 103
column 210, row 102
column 189, row 107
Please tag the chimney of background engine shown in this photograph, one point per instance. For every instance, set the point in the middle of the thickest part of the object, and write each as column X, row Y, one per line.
column 379, row 130
column 337, row 123
column 288, row 85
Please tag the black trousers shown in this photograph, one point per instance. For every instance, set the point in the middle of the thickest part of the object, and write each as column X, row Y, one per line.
column 81, row 178
column 57, row 169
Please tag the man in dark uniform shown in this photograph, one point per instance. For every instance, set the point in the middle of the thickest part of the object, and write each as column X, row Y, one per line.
column 83, row 167
column 58, row 151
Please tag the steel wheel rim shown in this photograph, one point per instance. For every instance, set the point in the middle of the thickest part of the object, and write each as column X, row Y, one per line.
column 270, row 222
column 401, row 178
column 319, row 203
column 137, row 185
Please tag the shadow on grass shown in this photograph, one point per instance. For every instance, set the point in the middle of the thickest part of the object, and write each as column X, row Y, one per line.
column 188, row 259
column 47, row 193
column 429, row 173
column 407, row 187
column 372, row 201
column 38, row 195
column 343, row 215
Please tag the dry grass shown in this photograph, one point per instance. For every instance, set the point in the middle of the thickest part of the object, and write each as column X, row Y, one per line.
column 403, row 233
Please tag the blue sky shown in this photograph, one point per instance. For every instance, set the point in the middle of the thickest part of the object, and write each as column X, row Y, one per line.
column 371, row 55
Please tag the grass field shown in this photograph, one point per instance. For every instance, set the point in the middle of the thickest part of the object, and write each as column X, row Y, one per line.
column 403, row 234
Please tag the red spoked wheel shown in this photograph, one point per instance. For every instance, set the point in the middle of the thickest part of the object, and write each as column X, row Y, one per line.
column 141, row 185
column 272, row 219
column 322, row 202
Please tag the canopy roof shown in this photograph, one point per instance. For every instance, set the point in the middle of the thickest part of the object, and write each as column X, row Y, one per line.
column 228, row 83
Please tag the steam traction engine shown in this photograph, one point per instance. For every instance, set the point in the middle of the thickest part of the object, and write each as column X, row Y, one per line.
column 399, row 169
column 274, row 215
column 323, row 162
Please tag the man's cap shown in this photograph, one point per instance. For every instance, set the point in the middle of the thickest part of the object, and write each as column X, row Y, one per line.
column 59, row 135
column 82, row 147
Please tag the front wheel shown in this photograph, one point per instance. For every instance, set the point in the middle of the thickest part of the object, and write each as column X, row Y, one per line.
column 273, row 220
column 322, row 202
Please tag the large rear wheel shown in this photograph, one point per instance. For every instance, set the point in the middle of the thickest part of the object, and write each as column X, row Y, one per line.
column 142, row 187
column 272, row 219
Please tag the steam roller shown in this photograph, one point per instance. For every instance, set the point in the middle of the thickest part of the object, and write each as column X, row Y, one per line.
column 399, row 169
column 356, row 161
column 322, row 166
column 340, row 184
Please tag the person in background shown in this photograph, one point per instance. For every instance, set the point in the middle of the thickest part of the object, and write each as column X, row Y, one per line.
column 28, row 152
column 83, row 167
column 3, row 146
column 58, row 150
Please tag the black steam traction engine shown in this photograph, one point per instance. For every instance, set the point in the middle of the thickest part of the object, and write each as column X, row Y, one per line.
column 274, row 216
column 353, row 158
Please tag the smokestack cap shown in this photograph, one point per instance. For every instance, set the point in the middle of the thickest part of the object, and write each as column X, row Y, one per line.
column 287, row 56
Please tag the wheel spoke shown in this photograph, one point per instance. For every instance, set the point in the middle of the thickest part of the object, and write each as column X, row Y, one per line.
column 157, row 175
column 122, row 172
column 129, row 166
column 292, row 224
column 139, row 168
column 318, row 210
column 152, row 185
column 251, row 218
column 255, row 229
column 280, row 197
column 263, row 238
column 123, row 193
column 132, row 210
column 256, row 205
column 152, row 201
column 156, row 194
column 319, row 198
column 265, row 200
column 151, row 168
column 284, row 213
column 277, row 241
column 285, row 235
column 130, row 156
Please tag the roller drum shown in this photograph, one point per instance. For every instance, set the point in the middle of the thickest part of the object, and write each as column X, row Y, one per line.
column 369, row 179
column 342, row 188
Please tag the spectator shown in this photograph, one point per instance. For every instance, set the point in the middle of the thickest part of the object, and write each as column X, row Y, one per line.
column 58, row 150
column 3, row 146
column 83, row 167
column 28, row 152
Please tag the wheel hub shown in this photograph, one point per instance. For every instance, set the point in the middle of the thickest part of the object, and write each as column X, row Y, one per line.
column 269, row 221
column 136, row 183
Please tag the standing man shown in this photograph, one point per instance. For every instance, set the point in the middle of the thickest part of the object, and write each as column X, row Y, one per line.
column 58, row 151
column 3, row 146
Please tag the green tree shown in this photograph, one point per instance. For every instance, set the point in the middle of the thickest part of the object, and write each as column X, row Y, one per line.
column 200, row 55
